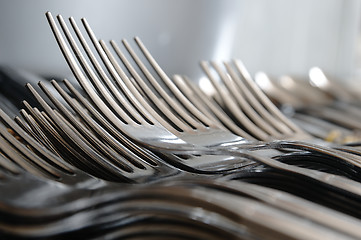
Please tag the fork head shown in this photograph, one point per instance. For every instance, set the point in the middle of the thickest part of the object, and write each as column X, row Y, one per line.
column 247, row 105
column 166, row 128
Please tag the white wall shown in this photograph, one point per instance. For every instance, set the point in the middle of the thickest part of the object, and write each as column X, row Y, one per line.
column 291, row 36
column 178, row 33
column 275, row 36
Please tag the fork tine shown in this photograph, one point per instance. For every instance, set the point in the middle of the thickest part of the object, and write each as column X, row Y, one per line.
column 128, row 105
column 8, row 156
column 239, row 85
column 190, row 103
column 105, row 58
column 184, row 114
column 81, row 77
column 29, row 127
column 170, row 84
column 51, row 158
column 101, row 52
column 97, row 101
column 244, row 105
column 79, row 144
column 261, row 96
column 7, row 165
column 39, row 142
column 94, row 164
column 38, row 134
column 143, row 153
column 12, row 148
column 189, row 94
column 106, row 150
column 157, row 103
column 110, row 68
column 52, row 131
column 206, row 103
column 237, row 113
column 131, row 86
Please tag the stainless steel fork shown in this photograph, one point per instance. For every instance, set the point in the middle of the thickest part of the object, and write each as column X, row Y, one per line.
column 275, row 119
column 156, row 137
column 228, row 103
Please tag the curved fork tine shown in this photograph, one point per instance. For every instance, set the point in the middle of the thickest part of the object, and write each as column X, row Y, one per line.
column 100, row 167
column 163, row 109
column 82, row 79
column 178, row 108
column 279, row 125
column 104, row 149
column 10, row 160
column 7, row 165
column 110, row 155
column 79, row 143
column 24, row 157
column 129, row 85
column 128, row 113
column 211, row 108
column 188, row 165
column 40, row 150
column 67, row 151
column 126, row 91
column 343, row 154
column 192, row 97
column 111, row 69
column 97, row 101
column 172, row 87
column 30, row 127
column 166, row 118
column 130, row 104
column 244, row 105
column 234, row 109
column 114, row 132
column 37, row 133
column 261, row 96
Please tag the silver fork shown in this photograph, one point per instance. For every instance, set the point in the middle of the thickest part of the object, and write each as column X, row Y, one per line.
column 109, row 66
column 265, row 195
column 255, row 103
column 146, row 128
column 57, row 225
column 225, row 206
column 245, row 83
column 35, row 158
column 294, row 133
column 314, row 100
column 193, row 163
column 273, row 116
column 159, row 139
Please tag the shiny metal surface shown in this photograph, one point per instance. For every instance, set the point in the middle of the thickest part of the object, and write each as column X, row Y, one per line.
column 134, row 153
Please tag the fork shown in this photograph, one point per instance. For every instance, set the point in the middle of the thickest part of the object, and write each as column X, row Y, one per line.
column 294, row 132
column 316, row 102
column 194, row 133
column 194, row 163
column 113, row 212
column 154, row 125
column 190, row 134
column 283, row 124
column 152, row 135
column 235, row 86
column 298, row 84
column 57, row 223
column 42, row 162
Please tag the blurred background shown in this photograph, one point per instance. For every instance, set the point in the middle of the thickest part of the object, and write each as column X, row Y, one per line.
column 277, row 37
